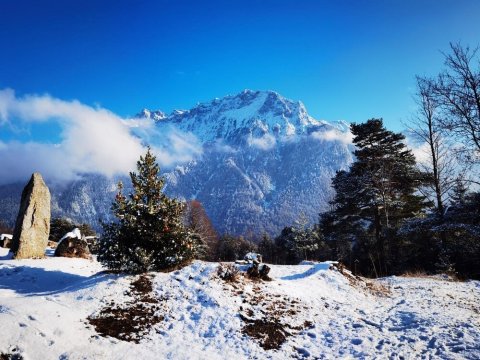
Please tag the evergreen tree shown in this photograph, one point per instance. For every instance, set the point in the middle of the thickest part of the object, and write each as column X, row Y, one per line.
column 231, row 248
column 266, row 247
column 305, row 241
column 285, row 253
column 462, row 228
column 338, row 240
column 61, row 226
column 459, row 192
column 377, row 194
column 149, row 234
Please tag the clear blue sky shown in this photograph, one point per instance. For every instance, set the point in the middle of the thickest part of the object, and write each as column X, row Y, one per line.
column 347, row 60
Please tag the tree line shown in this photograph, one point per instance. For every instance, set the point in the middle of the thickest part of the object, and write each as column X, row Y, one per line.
column 391, row 212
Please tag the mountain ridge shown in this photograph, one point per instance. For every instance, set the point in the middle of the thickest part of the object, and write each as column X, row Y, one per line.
column 261, row 161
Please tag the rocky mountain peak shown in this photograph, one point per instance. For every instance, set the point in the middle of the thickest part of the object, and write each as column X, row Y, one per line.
column 248, row 112
column 156, row 115
column 259, row 161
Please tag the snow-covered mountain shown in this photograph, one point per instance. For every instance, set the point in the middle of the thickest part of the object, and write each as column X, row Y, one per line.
column 262, row 162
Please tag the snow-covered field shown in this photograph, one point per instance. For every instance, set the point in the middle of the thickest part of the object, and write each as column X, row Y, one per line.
column 315, row 311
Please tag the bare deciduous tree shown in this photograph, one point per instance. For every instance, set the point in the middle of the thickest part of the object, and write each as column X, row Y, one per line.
column 456, row 90
column 426, row 126
column 198, row 221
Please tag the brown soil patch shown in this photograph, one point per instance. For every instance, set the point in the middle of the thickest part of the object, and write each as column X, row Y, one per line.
column 270, row 334
column 133, row 320
column 4, row 356
column 372, row 287
column 269, row 319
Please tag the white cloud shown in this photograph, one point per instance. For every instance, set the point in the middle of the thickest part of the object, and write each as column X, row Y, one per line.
column 266, row 142
column 220, row 146
column 421, row 152
column 177, row 147
column 333, row 135
column 92, row 140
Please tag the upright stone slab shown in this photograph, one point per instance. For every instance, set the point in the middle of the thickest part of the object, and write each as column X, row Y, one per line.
column 32, row 227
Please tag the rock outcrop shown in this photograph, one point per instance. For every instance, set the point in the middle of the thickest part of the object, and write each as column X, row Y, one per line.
column 6, row 240
column 73, row 248
column 73, row 245
column 32, row 227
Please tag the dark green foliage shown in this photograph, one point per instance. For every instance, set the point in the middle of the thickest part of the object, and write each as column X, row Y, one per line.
column 231, row 248
column 266, row 247
column 373, row 198
column 285, row 253
column 301, row 242
column 339, row 240
column 61, row 226
column 446, row 244
column 149, row 234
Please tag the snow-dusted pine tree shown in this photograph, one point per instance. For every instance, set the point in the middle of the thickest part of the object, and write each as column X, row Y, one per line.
column 149, row 234
column 305, row 240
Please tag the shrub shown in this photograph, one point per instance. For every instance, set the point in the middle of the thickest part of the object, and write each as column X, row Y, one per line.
column 228, row 272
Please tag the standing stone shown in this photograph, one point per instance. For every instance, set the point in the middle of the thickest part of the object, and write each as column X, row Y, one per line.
column 32, row 227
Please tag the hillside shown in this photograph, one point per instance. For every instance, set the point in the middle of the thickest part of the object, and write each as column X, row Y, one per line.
column 306, row 311
column 255, row 160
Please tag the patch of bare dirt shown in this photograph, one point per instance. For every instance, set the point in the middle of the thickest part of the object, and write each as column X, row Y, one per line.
column 133, row 320
column 10, row 356
column 372, row 287
column 270, row 319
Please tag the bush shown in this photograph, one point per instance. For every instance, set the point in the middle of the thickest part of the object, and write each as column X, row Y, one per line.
column 228, row 272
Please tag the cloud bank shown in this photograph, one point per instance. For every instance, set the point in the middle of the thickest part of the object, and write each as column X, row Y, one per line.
column 344, row 137
column 92, row 140
column 265, row 142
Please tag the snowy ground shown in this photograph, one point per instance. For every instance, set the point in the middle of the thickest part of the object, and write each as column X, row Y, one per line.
column 44, row 306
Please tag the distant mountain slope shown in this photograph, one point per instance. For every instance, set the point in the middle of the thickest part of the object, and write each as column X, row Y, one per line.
column 263, row 162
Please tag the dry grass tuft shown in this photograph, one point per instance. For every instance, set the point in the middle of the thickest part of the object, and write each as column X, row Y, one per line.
column 228, row 272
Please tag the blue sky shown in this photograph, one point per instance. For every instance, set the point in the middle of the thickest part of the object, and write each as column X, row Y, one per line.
column 349, row 60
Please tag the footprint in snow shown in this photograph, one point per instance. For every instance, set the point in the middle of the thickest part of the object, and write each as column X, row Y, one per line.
column 303, row 352
column 357, row 341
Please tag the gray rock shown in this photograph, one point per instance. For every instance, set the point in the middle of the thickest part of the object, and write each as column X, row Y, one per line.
column 32, row 227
